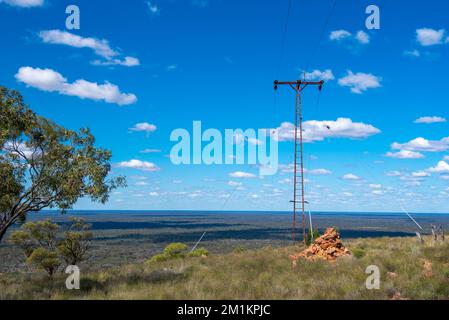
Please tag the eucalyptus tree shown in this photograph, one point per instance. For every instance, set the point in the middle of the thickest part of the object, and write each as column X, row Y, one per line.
column 44, row 165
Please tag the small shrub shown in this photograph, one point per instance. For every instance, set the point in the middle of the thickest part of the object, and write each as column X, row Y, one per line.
column 159, row 258
column 73, row 248
column 172, row 251
column 200, row 252
column 176, row 250
column 44, row 259
column 358, row 253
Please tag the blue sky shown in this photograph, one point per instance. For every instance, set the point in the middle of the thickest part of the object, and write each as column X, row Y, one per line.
column 137, row 70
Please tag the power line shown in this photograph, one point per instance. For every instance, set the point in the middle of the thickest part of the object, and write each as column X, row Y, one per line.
column 284, row 37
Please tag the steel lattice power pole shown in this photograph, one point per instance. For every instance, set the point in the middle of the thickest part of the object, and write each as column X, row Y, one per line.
column 298, row 181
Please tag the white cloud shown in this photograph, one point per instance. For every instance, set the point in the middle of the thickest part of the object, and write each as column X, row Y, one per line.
column 150, row 151
column 319, row 172
column 423, row 145
column 128, row 62
column 138, row 164
column 393, row 174
column 441, row 167
column 421, row 174
column 339, row 35
column 144, row 127
column 240, row 139
column 375, row 186
column 360, row 82
column 234, row 184
column 351, row 177
column 319, row 130
column 412, row 53
column 377, row 192
column 325, row 75
column 52, row 81
column 446, row 158
column 100, row 47
column 347, row 194
column 428, row 120
column 429, row 37
column 20, row 149
column 362, row 37
column 285, row 181
column 242, row 175
column 24, row 3
column 153, row 194
column 405, row 154
column 154, row 9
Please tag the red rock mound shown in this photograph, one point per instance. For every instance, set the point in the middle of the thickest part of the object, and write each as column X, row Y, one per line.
column 328, row 247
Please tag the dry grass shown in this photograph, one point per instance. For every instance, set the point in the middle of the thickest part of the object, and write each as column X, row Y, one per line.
column 260, row 274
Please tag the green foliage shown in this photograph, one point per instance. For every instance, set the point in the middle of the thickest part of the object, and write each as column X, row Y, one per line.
column 33, row 235
column 176, row 250
column 263, row 274
column 43, row 165
column 38, row 242
column 200, row 252
column 358, row 252
column 316, row 234
column 159, row 257
column 73, row 248
column 44, row 259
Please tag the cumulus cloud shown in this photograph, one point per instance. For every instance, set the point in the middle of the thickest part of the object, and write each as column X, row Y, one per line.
column 140, row 165
column 24, row 3
column 423, row 145
column 100, row 47
column 428, row 120
column 144, row 127
column 429, row 37
column 319, row 130
column 405, row 154
column 360, row 82
column 325, row 75
column 441, row 167
column 242, row 175
column 351, row 177
column 339, row 35
column 362, row 37
column 127, row 62
column 52, row 81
